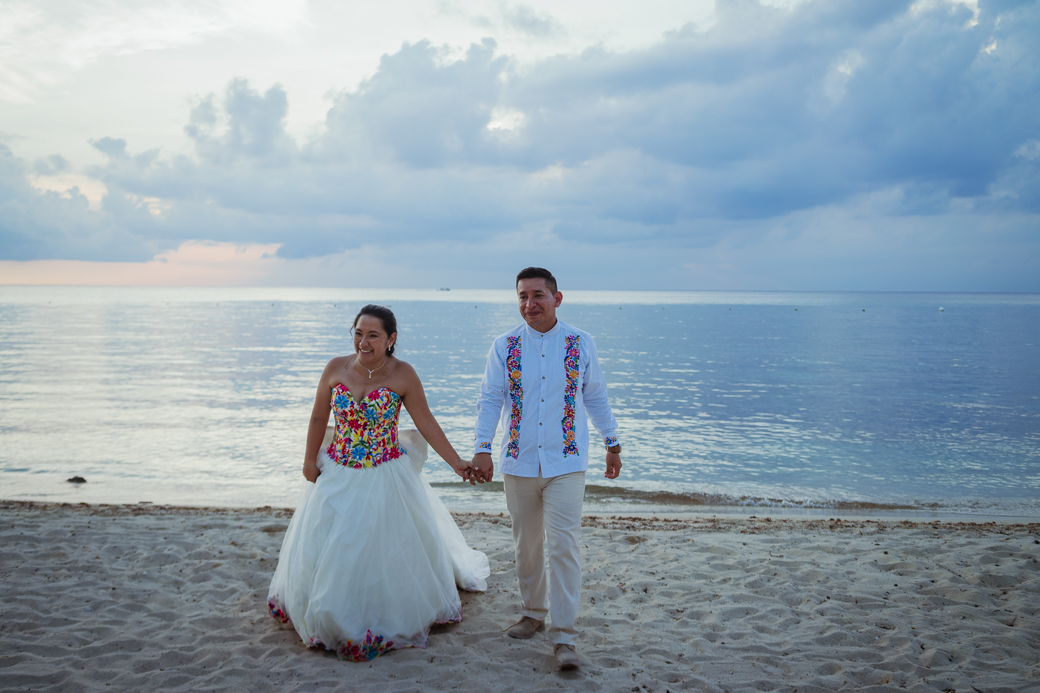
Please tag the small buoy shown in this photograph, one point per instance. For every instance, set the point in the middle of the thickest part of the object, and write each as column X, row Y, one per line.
column 76, row 480
column 941, row 309
column 864, row 310
column 796, row 309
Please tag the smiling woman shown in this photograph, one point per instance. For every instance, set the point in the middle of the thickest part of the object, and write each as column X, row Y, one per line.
column 367, row 519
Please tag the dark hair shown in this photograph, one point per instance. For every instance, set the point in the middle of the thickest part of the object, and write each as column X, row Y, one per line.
column 385, row 315
column 536, row 273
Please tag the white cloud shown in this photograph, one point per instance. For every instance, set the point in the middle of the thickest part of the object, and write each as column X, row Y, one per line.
column 505, row 119
column 1030, row 150
column 840, row 73
column 41, row 45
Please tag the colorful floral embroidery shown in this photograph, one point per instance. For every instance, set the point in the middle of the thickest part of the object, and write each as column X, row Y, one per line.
column 571, row 361
column 486, row 446
column 368, row 649
column 610, row 442
column 516, row 394
column 366, row 431
column 277, row 610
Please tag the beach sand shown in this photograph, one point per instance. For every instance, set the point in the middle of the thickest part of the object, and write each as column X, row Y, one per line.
column 144, row 598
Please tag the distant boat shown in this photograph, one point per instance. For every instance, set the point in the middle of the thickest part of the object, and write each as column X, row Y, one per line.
column 444, row 288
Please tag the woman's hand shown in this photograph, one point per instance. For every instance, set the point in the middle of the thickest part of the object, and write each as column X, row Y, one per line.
column 469, row 472
column 311, row 472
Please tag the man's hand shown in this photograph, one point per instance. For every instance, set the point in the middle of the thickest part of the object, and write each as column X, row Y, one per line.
column 613, row 465
column 483, row 466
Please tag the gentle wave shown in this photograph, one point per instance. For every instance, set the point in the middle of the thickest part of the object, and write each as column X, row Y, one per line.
column 633, row 497
column 490, row 496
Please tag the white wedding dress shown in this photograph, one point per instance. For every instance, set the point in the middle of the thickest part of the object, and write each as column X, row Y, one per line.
column 371, row 558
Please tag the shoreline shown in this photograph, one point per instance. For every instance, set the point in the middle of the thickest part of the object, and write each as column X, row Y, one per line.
column 158, row 597
column 725, row 513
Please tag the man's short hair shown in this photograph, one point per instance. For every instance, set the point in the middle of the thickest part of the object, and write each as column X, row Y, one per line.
column 535, row 273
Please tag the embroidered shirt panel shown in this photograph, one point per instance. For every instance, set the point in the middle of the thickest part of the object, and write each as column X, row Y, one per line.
column 571, row 366
column 514, row 367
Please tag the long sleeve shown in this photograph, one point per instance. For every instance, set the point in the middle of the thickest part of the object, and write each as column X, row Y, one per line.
column 489, row 404
column 594, row 394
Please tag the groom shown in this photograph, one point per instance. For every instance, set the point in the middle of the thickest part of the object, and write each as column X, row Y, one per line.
column 542, row 379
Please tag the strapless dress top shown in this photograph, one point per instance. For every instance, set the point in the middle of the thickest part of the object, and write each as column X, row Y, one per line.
column 366, row 431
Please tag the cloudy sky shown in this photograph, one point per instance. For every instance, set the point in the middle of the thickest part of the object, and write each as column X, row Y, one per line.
column 736, row 144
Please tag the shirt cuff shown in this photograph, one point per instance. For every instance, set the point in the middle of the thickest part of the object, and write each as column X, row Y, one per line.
column 482, row 446
column 610, row 441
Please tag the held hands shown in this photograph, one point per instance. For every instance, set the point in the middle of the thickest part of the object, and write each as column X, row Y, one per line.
column 478, row 470
column 613, row 465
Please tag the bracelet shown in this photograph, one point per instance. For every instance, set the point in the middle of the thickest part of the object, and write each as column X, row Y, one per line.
column 310, row 466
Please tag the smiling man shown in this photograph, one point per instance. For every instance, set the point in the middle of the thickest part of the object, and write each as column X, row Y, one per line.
column 548, row 373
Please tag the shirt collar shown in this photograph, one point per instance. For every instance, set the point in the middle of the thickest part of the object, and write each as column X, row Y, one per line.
column 535, row 333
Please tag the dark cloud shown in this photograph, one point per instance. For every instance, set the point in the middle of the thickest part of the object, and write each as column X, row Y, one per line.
column 55, row 163
column 111, row 147
column 769, row 119
column 418, row 110
column 44, row 224
column 527, row 20
column 248, row 125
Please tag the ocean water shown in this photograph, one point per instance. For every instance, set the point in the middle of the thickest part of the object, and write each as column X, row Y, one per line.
column 910, row 403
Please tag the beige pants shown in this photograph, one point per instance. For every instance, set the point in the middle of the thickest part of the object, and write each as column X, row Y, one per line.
column 548, row 509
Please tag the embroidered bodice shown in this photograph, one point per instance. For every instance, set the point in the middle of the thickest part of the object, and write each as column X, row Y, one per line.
column 366, row 431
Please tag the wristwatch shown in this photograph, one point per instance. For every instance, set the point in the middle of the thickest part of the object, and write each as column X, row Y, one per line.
column 614, row 448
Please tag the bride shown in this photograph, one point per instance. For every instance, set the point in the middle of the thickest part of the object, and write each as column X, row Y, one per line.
column 372, row 558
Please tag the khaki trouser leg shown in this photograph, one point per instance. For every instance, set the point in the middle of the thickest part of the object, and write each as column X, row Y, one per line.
column 548, row 509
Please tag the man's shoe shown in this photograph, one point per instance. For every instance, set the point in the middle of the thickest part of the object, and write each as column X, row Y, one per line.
column 525, row 628
column 566, row 657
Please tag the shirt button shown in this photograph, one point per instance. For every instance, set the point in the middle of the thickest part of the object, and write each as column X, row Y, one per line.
column 543, row 377
column 539, row 423
column 543, row 400
column 539, row 446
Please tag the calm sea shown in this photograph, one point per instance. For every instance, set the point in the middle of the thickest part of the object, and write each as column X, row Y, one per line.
column 911, row 403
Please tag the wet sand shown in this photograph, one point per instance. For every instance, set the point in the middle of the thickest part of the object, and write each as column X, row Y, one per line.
column 162, row 598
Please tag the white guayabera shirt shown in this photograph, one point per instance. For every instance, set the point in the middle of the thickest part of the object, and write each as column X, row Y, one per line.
column 544, row 388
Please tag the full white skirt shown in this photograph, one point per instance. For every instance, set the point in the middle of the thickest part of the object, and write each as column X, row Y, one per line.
column 372, row 558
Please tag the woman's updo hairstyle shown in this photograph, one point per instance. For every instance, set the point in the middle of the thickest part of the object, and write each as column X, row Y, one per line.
column 385, row 315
